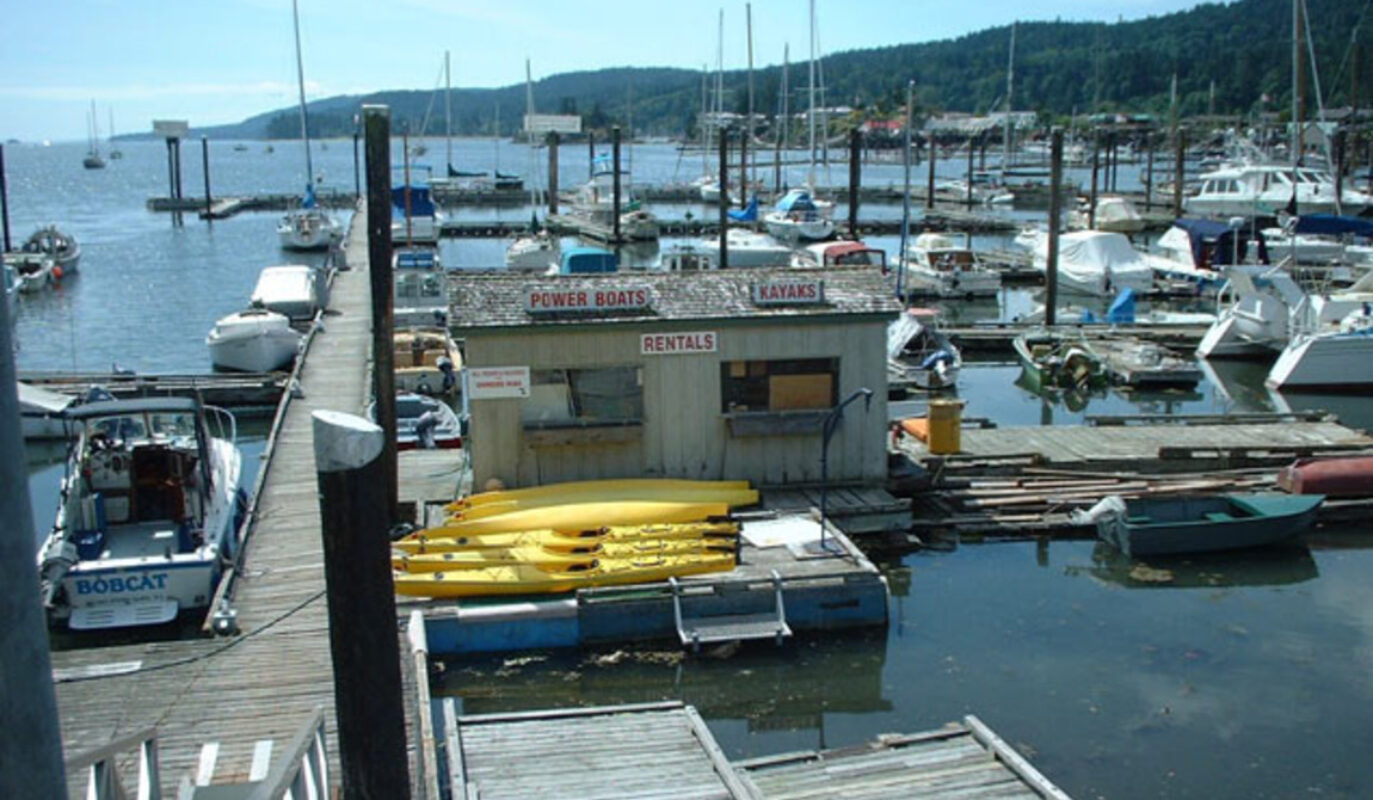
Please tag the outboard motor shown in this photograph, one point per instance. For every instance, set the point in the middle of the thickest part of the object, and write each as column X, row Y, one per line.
column 450, row 375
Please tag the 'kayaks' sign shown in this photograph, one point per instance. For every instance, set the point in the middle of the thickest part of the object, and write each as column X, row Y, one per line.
column 789, row 292
column 545, row 300
column 660, row 344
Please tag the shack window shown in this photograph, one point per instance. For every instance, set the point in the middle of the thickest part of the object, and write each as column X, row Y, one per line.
column 579, row 396
column 784, row 385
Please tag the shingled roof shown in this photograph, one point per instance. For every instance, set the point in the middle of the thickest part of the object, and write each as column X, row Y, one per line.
column 498, row 300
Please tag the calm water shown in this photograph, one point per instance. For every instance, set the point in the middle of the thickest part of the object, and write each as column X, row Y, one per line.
column 1248, row 676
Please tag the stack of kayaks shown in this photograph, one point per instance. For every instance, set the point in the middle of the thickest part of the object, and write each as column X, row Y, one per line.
column 562, row 537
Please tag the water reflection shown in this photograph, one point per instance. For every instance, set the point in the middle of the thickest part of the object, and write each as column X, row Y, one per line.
column 1261, row 566
column 769, row 689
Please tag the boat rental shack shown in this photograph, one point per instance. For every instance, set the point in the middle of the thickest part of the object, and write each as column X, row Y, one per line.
column 707, row 375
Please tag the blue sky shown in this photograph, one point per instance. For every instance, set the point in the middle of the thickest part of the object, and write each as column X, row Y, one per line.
column 218, row 61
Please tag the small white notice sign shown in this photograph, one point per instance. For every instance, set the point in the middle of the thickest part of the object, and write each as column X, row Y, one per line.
column 497, row 383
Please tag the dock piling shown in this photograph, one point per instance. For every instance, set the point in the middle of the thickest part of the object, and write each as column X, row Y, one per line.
column 1091, row 202
column 1177, row 173
column 4, row 201
column 552, row 173
column 30, row 743
column 724, row 198
column 969, row 200
column 205, row 168
column 929, row 183
column 1148, row 172
column 368, row 699
column 855, row 177
column 377, row 122
column 615, row 184
column 1055, row 207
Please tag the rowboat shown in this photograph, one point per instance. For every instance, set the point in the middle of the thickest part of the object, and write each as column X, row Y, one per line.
column 621, row 488
column 1332, row 477
column 519, row 579
column 547, row 557
column 585, row 516
column 1198, row 524
column 1058, row 361
column 429, row 542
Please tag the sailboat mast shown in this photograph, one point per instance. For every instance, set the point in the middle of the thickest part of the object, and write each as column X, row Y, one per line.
column 1010, row 90
column 748, row 125
column 810, row 178
column 705, row 115
column 300, row 80
column 448, row 109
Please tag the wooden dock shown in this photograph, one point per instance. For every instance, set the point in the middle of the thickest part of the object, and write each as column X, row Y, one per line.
column 261, row 684
column 241, row 391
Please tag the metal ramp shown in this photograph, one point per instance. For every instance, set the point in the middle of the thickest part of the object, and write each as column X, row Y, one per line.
column 715, row 612
column 301, row 773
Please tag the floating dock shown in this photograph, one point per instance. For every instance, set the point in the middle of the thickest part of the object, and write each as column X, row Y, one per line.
column 240, row 391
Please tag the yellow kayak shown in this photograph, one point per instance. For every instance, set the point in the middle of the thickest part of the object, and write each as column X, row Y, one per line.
column 548, row 557
column 730, row 496
column 584, row 516
column 617, row 489
column 534, row 579
column 433, row 540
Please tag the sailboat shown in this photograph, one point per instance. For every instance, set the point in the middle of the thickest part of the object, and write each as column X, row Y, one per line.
column 93, row 159
column 115, row 153
column 538, row 249
column 799, row 215
column 308, row 227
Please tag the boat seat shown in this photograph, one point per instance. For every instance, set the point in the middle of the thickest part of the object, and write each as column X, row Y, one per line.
column 1218, row 516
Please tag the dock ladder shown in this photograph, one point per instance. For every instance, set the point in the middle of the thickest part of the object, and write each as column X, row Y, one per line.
column 721, row 618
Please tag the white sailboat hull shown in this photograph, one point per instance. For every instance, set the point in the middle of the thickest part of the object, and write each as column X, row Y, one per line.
column 1324, row 360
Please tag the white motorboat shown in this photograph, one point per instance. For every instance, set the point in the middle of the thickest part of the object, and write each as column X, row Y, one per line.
column 427, row 361
column 935, row 264
column 421, row 294
column 42, row 412
column 1095, row 262
column 306, row 227
column 798, row 216
column 533, row 252
column 1328, row 358
column 148, row 514
column 840, row 254
column 688, row 257
column 958, row 191
column 746, row 248
column 35, row 271
column 1113, row 213
column 291, row 289
column 255, row 340
column 595, row 202
column 1251, row 322
column 1196, row 250
column 62, row 248
column 423, row 422
column 9, row 276
column 1266, row 189
column 919, row 354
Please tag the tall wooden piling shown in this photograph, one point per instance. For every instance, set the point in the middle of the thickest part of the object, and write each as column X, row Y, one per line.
column 1091, row 197
column 590, row 155
column 1148, row 172
column 724, row 198
column 1338, row 154
column 615, row 184
column 743, row 170
column 1055, row 208
column 855, row 178
column 368, row 699
column 377, row 127
column 1177, row 172
column 205, row 168
column 357, row 174
column 552, row 173
column 968, row 200
column 30, row 742
column 4, row 202
column 929, row 182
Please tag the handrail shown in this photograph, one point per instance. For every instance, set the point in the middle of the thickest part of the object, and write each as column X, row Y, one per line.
column 102, row 781
column 303, row 769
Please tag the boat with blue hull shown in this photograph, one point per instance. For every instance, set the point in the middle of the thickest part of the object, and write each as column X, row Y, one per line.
column 147, row 516
column 1178, row 525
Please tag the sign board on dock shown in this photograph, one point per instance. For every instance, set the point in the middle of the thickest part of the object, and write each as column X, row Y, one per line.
column 550, row 123
column 171, row 128
column 497, row 383
column 594, row 298
column 789, row 292
column 658, row 344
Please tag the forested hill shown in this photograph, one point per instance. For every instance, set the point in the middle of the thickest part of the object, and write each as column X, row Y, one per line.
column 1245, row 48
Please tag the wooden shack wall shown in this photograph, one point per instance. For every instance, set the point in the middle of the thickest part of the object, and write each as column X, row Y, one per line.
column 685, row 434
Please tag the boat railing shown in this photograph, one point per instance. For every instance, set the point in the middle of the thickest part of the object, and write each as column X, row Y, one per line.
column 224, row 421
column 303, row 770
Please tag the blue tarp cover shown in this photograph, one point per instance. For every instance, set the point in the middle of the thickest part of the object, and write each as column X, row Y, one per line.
column 796, row 200
column 585, row 260
column 748, row 213
column 1213, row 242
column 1334, row 225
column 421, row 204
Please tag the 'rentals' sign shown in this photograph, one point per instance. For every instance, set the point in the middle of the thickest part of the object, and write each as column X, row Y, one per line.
column 582, row 299
column 662, row 344
column 789, row 292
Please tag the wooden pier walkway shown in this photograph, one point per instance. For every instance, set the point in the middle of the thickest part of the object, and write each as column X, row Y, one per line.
column 265, row 682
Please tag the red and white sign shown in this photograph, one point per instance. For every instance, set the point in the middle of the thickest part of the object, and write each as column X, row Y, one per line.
column 661, row 344
column 574, row 299
column 497, row 383
column 789, row 292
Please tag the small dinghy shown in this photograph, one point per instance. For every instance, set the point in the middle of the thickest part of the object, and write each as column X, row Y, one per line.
column 1154, row 526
